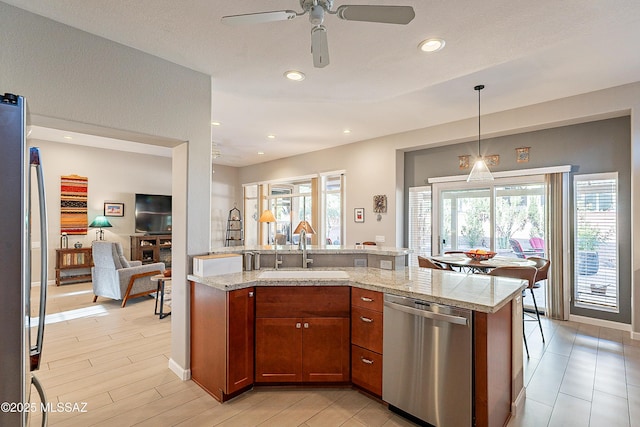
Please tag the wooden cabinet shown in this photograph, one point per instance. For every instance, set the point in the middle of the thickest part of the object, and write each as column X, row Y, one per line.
column 302, row 334
column 366, row 340
column 73, row 265
column 222, row 340
column 150, row 249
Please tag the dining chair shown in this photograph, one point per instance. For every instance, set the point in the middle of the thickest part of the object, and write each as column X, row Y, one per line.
column 524, row 273
column 428, row 263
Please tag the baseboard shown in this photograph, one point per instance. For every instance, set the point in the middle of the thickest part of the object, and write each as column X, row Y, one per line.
column 600, row 322
column 518, row 404
column 183, row 374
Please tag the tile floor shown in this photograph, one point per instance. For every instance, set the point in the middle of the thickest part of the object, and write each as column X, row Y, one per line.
column 116, row 360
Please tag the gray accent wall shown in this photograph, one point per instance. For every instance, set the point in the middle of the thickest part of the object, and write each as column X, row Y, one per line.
column 592, row 147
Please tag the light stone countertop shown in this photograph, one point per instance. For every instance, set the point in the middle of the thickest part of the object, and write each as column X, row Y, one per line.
column 472, row 291
column 315, row 249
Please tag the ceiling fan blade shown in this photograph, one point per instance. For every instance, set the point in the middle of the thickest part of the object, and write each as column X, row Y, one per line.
column 384, row 14
column 260, row 17
column 319, row 46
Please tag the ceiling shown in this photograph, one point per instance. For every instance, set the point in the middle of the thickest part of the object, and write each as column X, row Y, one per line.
column 378, row 82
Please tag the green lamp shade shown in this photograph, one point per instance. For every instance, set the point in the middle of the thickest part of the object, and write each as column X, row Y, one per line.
column 100, row 222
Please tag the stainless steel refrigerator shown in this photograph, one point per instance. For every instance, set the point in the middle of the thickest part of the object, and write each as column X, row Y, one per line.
column 19, row 354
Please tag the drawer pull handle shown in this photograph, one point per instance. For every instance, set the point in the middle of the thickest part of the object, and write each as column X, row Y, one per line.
column 250, row 294
column 365, row 299
column 298, row 325
column 366, row 319
column 306, row 325
column 367, row 361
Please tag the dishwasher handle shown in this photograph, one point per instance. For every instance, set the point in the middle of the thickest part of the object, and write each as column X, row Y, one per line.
column 458, row 320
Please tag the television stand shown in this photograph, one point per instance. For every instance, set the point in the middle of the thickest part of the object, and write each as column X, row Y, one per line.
column 151, row 248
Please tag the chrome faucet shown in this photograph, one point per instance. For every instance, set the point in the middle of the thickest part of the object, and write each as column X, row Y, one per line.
column 302, row 244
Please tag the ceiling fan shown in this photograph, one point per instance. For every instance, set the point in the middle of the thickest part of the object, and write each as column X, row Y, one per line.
column 317, row 9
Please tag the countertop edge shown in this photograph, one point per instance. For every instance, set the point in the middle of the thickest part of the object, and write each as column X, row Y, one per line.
column 232, row 282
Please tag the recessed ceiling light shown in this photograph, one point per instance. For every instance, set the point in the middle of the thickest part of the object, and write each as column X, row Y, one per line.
column 215, row 123
column 67, row 137
column 431, row 45
column 260, row 153
column 271, row 136
column 296, row 76
column 346, row 131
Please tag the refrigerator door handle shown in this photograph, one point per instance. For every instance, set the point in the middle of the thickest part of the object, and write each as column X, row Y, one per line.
column 43, row 399
column 34, row 160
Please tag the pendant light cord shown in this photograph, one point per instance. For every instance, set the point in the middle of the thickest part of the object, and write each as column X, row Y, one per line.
column 479, row 88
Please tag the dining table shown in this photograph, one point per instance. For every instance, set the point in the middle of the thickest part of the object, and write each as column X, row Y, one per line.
column 464, row 263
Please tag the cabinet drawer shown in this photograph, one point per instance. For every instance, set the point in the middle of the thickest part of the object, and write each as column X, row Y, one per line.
column 367, row 299
column 366, row 369
column 302, row 301
column 366, row 329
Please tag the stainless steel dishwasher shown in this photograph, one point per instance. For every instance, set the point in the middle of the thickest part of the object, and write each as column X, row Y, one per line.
column 427, row 363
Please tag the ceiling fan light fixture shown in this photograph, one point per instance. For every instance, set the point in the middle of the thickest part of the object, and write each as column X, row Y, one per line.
column 294, row 75
column 431, row 45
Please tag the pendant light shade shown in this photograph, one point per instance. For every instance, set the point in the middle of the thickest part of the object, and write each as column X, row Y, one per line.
column 480, row 170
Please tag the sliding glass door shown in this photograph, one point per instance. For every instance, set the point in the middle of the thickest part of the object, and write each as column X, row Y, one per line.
column 506, row 216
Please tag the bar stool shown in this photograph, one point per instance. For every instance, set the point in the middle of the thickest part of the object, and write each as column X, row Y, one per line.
column 524, row 273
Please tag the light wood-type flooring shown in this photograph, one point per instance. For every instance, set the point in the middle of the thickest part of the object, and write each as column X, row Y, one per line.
column 105, row 365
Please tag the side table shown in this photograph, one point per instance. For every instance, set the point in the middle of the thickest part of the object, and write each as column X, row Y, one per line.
column 161, row 279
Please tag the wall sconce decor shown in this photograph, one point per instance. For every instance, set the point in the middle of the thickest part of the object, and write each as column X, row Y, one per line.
column 492, row 160
column 380, row 203
column 522, row 154
column 463, row 162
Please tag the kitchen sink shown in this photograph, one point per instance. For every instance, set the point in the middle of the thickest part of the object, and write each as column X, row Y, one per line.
column 304, row 274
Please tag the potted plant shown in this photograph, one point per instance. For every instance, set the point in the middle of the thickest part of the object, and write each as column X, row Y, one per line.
column 588, row 241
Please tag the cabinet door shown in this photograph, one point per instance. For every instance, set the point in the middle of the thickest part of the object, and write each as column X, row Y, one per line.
column 208, row 338
column 278, row 350
column 240, row 329
column 325, row 350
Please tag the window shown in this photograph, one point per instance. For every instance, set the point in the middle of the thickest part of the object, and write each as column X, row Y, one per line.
column 595, row 263
column 251, row 214
column 317, row 199
column 332, row 209
column 419, row 223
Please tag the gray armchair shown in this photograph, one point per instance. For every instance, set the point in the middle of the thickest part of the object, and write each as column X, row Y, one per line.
column 115, row 277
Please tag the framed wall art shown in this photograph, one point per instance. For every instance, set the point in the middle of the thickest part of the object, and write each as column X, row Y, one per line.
column 113, row 209
column 358, row 215
column 492, row 160
column 380, row 203
column 463, row 162
column 522, row 154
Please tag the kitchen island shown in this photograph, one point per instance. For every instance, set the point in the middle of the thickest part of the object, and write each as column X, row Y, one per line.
column 323, row 326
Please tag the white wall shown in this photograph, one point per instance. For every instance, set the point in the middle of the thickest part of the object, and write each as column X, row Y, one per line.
column 76, row 79
column 114, row 176
column 226, row 193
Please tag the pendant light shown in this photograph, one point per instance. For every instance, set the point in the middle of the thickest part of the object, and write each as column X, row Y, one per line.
column 480, row 171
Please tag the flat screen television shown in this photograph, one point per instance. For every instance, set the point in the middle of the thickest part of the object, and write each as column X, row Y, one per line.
column 153, row 214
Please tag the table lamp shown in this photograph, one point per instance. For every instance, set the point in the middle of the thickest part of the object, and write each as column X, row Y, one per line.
column 267, row 216
column 100, row 222
column 304, row 227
